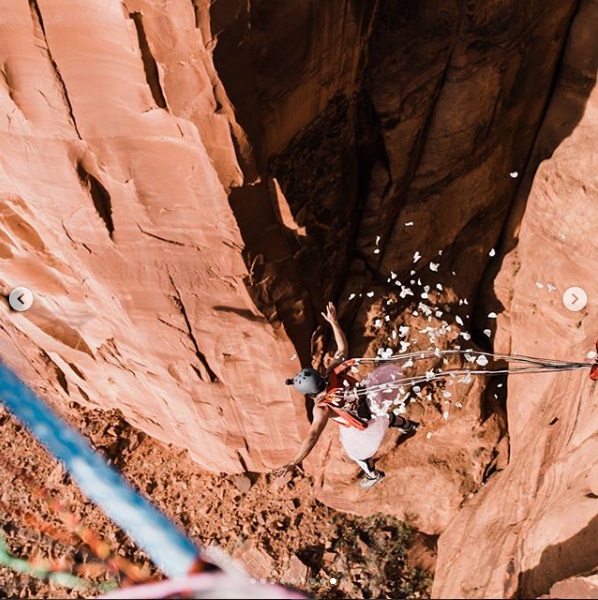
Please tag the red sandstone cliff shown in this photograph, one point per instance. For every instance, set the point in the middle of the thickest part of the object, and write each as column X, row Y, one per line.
column 184, row 186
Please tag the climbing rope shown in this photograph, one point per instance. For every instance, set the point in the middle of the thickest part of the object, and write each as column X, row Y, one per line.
column 46, row 571
column 521, row 364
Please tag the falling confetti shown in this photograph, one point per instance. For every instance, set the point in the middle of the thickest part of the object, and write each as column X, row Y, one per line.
column 492, row 252
column 514, row 174
column 351, row 296
column 429, row 435
column 377, row 251
column 550, row 288
column 487, row 332
column 540, row 285
column 482, row 360
column 492, row 315
column 434, row 266
column 370, row 294
column 409, row 224
column 591, row 354
column 459, row 320
column 377, row 239
column 416, row 257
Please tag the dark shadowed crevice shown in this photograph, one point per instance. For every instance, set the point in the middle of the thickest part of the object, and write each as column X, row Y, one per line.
column 149, row 62
column 209, row 373
column 100, row 196
column 38, row 22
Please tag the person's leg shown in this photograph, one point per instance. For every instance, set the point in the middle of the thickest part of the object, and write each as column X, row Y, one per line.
column 372, row 475
column 367, row 466
column 403, row 424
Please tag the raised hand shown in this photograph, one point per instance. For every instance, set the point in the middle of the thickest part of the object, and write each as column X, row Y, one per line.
column 330, row 314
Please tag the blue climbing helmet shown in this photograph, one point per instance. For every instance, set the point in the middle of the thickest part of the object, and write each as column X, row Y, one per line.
column 308, row 381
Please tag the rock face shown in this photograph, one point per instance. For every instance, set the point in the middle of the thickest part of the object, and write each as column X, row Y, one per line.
column 536, row 522
column 184, row 185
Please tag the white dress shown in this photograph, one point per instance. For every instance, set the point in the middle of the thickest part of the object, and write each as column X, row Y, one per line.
column 361, row 445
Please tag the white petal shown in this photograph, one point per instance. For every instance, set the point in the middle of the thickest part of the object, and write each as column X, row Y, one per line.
column 492, row 252
column 416, row 257
column 370, row 294
column 514, row 174
column 351, row 296
column 492, row 315
column 487, row 332
column 459, row 320
column 434, row 266
column 409, row 224
column 482, row 360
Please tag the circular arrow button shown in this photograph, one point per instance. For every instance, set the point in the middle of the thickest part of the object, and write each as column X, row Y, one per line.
column 575, row 299
column 20, row 299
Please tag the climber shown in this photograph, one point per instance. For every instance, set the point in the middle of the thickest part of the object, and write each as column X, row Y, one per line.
column 364, row 418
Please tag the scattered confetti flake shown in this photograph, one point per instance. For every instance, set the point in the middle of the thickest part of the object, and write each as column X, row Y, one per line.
column 417, row 389
column 514, row 174
column 439, row 252
column 429, row 435
column 438, row 314
column 550, row 288
column 439, row 287
column 453, row 273
column 591, row 354
column 411, row 272
column 424, row 295
column 404, row 346
column 405, row 291
column 434, row 266
column 394, row 334
column 409, row 224
column 445, row 415
column 459, row 320
column 430, row 375
column 351, row 296
column 492, row 252
column 465, row 335
column 415, row 313
column 458, row 405
column 416, row 257
column 499, row 385
column 370, row 294
column 466, row 379
column 387, row 318
column 377, row 239
column 377, row 251
column 482, row 360
column 487, row 332
column 540, row 285
column 408, row 364
column 294, row 357
column 465, row 301
column 377, row 323
column 446, row 394
column 492, row 315
column 393, row 275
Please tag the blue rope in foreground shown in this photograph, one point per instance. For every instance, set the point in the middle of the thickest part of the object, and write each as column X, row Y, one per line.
column 168, row 547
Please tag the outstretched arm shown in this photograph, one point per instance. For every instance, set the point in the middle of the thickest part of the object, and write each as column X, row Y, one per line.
column 342, row 348
column 321, row 415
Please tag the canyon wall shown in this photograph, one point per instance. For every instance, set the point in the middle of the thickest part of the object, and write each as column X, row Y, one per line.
column 184, row 186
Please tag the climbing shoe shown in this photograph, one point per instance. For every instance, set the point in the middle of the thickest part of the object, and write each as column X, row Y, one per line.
column 371, row 480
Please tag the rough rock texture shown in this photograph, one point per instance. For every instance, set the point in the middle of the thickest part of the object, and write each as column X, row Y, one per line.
column 184, row 185
column 114, row 212
column 536, row 522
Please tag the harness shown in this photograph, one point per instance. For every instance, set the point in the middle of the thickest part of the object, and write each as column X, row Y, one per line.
column 342, row 399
